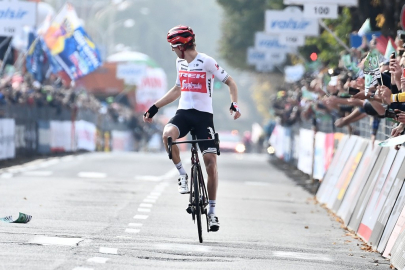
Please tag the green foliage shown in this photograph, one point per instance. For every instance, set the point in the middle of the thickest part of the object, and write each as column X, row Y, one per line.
column 326, row 44
column 242, row 19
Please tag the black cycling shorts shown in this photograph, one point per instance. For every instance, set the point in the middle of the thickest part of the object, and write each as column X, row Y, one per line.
column 203, row 124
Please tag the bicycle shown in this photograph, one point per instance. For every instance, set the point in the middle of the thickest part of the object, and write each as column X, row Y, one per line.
column 198, row 191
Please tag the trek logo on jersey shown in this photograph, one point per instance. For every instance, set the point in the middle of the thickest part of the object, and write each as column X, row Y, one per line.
column 216, row 65
column 192, row 81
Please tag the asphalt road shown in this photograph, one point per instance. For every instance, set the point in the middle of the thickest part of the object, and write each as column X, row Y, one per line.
column 122, row 211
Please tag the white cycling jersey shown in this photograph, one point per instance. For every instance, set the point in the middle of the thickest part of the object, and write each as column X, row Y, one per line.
column 196, row 80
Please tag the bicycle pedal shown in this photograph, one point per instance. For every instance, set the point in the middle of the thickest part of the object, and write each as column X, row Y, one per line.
column 189, row 210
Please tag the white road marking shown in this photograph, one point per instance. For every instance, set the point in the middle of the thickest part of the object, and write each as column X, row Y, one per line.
column 108, row 250
column 132, row 230
column 98, row 260
column 155, row 194
column 6, row 175
column 183, row 247
column 145, row 205
column 135, row 224
column 303, row 256
column 37, row 173
column 257, row 184
column 149, row 200
column 150, row 178
column 82, row 268
column 124, row 237
column 140, row 217
column 169, row 175
column 91, row 175
column 143, row 210
column 60, row 241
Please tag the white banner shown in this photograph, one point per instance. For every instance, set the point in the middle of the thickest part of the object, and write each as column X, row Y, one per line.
column 122, row 141
column 319, row 167
column 292, row 40
column 7, row 143
column 264, row 67
column 306, row 150
column 318, row 11
column 131, row 73
column 85, row 135
column 61, row 139
column 336, row 2
column 14, row 15
column 152, row 87
column 290, row 21
column 259, row 57
column 294, row 73
column 271, row 43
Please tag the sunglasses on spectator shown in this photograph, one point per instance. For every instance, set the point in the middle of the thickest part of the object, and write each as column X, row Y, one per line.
column 175, row 45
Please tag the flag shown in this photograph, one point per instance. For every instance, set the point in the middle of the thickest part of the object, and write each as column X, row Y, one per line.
column 39, row 62
column 365, row 28
column 389, row 50
column 71, row 46
column 347, row 61
column 372, row 69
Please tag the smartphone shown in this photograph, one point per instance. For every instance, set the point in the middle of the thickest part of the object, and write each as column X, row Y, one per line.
column 402, row 36
column 392, row 55
column 353, row 91
column 403, row 73
column 390, row 114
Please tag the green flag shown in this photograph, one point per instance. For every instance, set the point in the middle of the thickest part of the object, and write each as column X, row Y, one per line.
column 365, row 28
column 389, row 50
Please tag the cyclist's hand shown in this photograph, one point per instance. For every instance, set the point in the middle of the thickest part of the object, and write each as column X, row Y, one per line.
column 235, row 108
column 147, row 116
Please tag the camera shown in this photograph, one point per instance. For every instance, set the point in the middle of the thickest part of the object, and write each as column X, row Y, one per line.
column 389, row 113
column 353, row 91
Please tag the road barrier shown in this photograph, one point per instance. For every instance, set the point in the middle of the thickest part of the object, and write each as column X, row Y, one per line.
column 29, row 131
column 362, row 183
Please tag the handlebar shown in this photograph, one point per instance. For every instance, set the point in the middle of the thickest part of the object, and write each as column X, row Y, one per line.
column 170, row 143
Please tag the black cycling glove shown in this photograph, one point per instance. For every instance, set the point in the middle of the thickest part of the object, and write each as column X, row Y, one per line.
column 152, row 111
column 234, row 107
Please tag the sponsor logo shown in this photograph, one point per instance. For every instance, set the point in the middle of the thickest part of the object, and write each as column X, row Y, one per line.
column 9, row 13
column 222, row 72
column 212, row 133
column 192, row 75
column 216, row 65
column 209, row 86
column 193, row 81
column 290, row 24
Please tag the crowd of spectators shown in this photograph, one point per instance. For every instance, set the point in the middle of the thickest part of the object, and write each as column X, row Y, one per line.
column 340, row 94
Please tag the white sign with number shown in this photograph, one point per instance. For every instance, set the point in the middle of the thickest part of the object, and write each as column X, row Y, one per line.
column 256, row 56
column 327, row 2
column 271, row 43
column 321, row 11
column 292, row 40
column 14, row 15
column 290, row 21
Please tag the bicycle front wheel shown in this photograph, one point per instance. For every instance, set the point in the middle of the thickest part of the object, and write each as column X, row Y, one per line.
column 197, row 203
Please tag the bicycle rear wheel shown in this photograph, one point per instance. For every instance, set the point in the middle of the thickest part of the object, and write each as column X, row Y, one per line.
column 197, row 203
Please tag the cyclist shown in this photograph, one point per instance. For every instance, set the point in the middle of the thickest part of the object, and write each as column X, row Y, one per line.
column 194, row 84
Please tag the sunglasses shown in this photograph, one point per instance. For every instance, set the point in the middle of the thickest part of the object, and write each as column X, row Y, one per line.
column 175, row 45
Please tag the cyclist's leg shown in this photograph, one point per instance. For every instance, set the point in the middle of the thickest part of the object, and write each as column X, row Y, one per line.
column 171, row 130
column 210, row 161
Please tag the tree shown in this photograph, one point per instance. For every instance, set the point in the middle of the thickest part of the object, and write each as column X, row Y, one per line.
column 242, row 19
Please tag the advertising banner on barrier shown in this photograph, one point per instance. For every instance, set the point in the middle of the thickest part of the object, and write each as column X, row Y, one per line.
column 357, row 183
column 329, row 149
column 324, row 185
column 377, row 198
column 44, row 137
column 346, row 174
column 287, row 144
column 398, row 219
column 85, row 135
column 336, row 170
column 61, row 141
column 7, row 134
column 306, row 151
column 319, row 166
column 122, row 141
column 153, row 85
column 26, row 138
column 397, row 252
column 392, row 207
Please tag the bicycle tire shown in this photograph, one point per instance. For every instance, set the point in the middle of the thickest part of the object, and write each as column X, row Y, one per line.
column 197, row 205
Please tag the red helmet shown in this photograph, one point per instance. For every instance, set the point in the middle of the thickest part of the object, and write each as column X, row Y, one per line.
column 180, row 34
